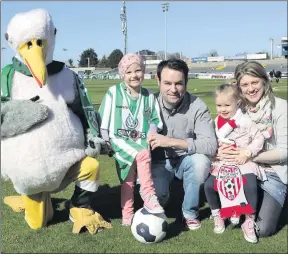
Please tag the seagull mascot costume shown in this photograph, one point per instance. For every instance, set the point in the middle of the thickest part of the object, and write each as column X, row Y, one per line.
column 49, row 129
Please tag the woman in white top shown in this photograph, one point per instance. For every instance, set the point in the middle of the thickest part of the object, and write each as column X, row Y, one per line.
column 256, row 89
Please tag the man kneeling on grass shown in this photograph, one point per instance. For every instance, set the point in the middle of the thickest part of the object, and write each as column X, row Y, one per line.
column 186, row 142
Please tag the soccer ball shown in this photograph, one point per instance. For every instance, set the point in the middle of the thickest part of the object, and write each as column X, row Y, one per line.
column 229, row 185
column 149, row 228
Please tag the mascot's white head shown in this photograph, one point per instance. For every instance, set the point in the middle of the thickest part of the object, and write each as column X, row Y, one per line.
column 32, row 35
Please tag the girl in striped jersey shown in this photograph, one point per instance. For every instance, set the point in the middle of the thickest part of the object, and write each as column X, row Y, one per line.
column 129, row 113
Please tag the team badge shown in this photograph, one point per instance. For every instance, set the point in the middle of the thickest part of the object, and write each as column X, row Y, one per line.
column 230, row 181
column 131, row 123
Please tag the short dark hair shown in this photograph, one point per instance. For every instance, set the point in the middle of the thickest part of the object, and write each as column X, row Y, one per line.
column 175, row 64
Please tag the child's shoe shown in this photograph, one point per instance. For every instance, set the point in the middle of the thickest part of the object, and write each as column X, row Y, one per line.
column 127, row 222
column 248, row 229
column 219, row 224
column 235, row 219
column 152, row 205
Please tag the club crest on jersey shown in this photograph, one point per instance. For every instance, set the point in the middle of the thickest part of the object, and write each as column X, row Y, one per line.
column 131, row 123
column 229, row 181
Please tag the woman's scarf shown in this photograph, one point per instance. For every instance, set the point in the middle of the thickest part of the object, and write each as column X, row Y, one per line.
column 261, row 114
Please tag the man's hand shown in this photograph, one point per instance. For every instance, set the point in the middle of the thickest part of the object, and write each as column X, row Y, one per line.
column 158, row 140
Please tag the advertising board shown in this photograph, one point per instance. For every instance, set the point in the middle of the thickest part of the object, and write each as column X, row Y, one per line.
column 199, row 59
column 215, row 58
column 256, row 56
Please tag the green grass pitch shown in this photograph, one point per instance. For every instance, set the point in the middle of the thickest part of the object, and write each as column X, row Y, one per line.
column 58, row 237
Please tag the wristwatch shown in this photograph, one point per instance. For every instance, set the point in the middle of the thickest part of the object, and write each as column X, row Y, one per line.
column 248, row 153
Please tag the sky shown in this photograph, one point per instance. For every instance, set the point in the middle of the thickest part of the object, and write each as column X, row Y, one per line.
column 193, row 27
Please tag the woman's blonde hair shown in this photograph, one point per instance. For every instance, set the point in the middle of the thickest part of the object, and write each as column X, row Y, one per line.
column 254, row 69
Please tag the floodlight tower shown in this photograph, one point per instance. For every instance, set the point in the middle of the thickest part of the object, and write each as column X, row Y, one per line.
column 123, row 18
column 165, row 8
column 272, row 45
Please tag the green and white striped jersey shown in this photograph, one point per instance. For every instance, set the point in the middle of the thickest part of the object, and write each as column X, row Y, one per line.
column 127, row 121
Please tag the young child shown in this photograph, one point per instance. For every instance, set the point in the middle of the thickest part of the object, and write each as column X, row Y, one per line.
column 129, row 113
column 235, row 128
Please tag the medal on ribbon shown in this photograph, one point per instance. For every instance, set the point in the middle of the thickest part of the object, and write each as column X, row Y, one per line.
column 132, row 121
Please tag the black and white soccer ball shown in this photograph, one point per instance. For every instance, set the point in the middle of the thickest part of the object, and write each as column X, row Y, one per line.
column 149, row 228
column 229, row 185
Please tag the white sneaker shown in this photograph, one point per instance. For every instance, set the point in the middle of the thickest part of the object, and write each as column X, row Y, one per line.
column 234, row 219
column 219, row 224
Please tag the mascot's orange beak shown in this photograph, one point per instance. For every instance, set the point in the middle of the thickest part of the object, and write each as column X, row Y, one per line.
column 34, row 54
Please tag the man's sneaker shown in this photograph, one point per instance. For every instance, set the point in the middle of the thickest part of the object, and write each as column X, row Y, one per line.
column 192, row 224
column 151, row 204
column 234, row 219
column 219, row 224
column 248, row 229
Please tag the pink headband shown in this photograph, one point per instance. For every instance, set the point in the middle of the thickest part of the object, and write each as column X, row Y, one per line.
column 127, row 61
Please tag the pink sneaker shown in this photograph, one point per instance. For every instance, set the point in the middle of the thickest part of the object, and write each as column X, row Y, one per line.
column 151, row 204
column 192, row 224
column 248, row 229
column 219, row 224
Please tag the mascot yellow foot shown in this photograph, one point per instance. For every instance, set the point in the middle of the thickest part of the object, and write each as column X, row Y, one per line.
column 16, row 203
column 83, row 217
column 38, row 208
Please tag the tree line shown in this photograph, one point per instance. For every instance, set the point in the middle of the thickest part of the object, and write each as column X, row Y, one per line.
column 114, row 58
column 89, row 56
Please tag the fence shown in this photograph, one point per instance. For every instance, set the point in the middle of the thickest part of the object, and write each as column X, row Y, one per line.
column 106, row 76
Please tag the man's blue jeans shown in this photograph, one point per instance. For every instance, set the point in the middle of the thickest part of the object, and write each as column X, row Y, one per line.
column 192, row 169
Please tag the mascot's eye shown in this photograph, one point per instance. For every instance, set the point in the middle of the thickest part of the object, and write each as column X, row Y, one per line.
column 29, row 44
column 39, row 43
